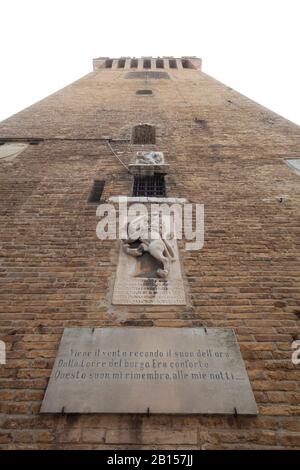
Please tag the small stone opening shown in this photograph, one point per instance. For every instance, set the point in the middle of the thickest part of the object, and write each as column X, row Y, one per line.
column 147, row 64
column 96, row 191
column 144, row 92
column 172, row 64
column 143, row 134
column 149, row 186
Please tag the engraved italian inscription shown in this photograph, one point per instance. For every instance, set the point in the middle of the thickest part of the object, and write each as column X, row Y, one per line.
column 165, row 370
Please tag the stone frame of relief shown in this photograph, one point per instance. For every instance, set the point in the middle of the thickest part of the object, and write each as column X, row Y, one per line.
column 137, row 283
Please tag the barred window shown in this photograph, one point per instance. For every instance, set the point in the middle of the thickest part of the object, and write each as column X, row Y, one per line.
column 149, row 186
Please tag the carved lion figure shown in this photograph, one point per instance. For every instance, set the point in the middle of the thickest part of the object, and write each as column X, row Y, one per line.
column 138, row 231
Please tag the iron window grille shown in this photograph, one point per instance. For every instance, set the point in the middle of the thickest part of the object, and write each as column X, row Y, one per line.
column 149, row 186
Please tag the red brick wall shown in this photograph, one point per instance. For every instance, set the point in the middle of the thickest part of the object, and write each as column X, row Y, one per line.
column 55, row 273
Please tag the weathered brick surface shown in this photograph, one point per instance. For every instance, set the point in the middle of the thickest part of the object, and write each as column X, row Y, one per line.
column 55, row 273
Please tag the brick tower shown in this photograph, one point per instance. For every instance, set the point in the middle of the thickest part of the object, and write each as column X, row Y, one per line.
column 66, row 154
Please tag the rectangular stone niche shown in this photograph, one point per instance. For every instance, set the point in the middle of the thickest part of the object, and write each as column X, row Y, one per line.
column 149, row 370
column 137, row 282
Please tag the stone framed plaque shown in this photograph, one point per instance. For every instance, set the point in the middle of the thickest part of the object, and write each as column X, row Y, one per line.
column 149, row 370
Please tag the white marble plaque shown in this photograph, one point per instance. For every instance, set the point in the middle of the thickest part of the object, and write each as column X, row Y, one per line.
column 137, row 282
column 149, row 370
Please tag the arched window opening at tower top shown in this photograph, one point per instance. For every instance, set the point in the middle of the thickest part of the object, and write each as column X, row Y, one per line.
column 159, row 64
column 121, row 63
column 147, row 64
column 134, row 63
column 186, row 64
column 143, row 134
column 108, row 63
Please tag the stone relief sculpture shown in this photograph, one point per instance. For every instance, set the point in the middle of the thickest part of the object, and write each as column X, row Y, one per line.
column 150, row 158
column 148, row 163
column 156, row 244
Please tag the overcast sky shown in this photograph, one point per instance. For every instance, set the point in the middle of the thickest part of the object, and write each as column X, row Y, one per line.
column 250, row 45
